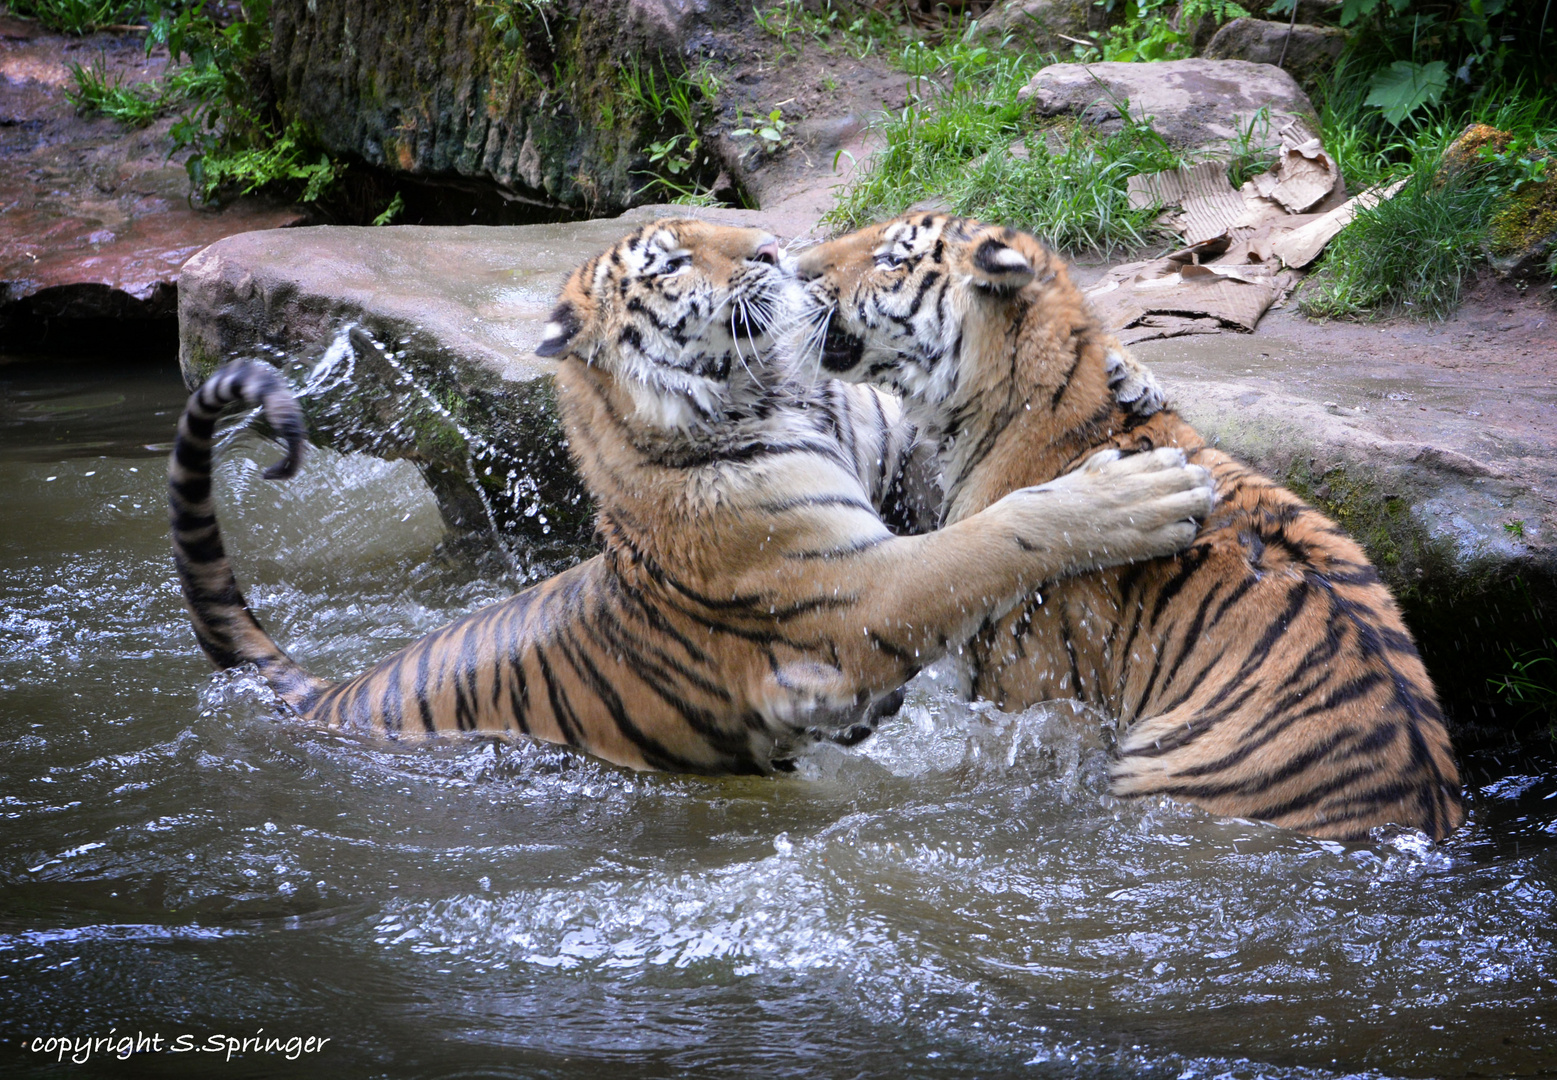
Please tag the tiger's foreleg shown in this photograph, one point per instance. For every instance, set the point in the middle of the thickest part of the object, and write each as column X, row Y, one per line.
column 904, row 602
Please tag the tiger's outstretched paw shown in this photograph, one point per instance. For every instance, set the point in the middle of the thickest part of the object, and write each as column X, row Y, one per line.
column 808, row 700
column 1132, row 383
column 1119, row 508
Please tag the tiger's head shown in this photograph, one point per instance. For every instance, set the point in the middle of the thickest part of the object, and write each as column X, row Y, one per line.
column 677, row 313
column 937, row 308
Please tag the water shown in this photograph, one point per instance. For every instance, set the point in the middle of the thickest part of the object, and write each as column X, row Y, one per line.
column 957, row 899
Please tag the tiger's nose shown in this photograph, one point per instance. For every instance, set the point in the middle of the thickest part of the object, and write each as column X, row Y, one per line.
column 768, row 253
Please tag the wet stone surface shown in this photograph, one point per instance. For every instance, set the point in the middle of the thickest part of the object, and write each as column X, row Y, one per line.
column 1193, row 104
column 96, row 217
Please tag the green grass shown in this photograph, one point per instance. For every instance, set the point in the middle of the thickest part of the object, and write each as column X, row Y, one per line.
column 833, row 27
column 1412, row 254
column 679, row 106
column 85, row 16
column 1531, row 682
column 1415, row 253
column 94, row 94
column 952, row 142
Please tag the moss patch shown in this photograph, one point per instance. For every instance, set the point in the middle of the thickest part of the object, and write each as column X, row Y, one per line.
column 1380, row 521
column 1528, row 217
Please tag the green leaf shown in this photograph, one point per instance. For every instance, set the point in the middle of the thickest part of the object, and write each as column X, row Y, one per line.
column 1404, row 87
column 1352, row 10
column 393, row 210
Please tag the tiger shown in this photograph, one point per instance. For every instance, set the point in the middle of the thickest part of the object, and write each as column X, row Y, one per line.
column 1264, row 673
column 748, row 599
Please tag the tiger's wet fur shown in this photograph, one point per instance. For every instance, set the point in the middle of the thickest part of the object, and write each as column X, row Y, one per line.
column 749, row 599
column 1265, row 672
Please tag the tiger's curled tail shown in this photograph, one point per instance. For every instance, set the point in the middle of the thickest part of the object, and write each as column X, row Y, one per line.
column 228, row 631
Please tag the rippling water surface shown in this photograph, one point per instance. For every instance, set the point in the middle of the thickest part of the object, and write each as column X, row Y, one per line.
column 958, row 898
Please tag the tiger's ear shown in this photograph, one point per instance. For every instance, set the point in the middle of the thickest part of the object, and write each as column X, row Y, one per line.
column 559, row 331
column 999, row 267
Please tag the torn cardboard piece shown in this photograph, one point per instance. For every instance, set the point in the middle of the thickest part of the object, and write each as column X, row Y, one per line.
column 1304, row 179
column 1304, row 175
column 1301, row 246
column 1155, row 327
column 1239, row 261
column 1209, row 203
column 1169, row 298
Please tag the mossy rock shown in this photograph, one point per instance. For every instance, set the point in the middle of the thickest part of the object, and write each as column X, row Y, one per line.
column 1523, row 233
column 525, row 96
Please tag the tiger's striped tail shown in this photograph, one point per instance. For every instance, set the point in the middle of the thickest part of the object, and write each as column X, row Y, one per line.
column 227, row 629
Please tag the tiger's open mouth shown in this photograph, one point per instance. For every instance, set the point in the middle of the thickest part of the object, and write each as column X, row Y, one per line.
column 753, row 309
column 747, row 324
column 841, row 350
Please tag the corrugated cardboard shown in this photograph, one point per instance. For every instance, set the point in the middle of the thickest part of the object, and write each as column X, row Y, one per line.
column 1302, row 246
column 1209, row 203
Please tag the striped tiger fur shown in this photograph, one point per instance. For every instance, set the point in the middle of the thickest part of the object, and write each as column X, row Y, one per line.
column 1264, row 673
column 749, row 598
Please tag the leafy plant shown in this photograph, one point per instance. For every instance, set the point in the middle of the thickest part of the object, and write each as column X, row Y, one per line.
column 1419, row 53
column 236, row 139
column 1403, row 88
column 674, row 155
column 1158, row 29
column 137, row 104
column 395, row 208
column 1523, row 161
column 678, row 105
column 94, row 94
column 286, row 158
column 771, row 133
column 509, row 18
column 1531, row 681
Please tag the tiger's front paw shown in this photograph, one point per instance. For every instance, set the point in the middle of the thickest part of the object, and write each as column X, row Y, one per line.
column 1130, row 507
column 806, row 701
column 1132, row 383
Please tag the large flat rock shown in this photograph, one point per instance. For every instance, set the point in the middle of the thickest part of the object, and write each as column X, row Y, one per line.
column 1194, row 104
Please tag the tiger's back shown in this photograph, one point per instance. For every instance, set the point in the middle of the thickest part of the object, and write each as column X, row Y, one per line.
column 1264, row 673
